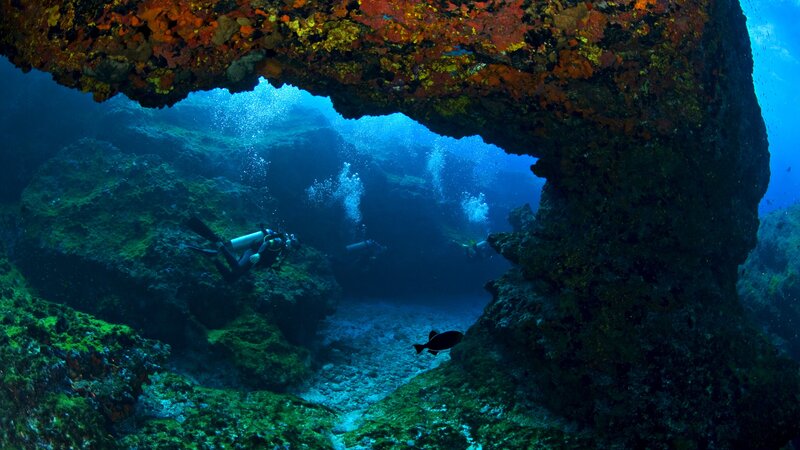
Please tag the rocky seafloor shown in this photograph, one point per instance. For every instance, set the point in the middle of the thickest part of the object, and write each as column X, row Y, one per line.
column 366, row 350
column 73, row 381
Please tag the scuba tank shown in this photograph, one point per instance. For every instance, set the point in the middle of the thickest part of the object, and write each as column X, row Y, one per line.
column 368, row 244
column 358, row 246
column 247, row 240
column 276, row 242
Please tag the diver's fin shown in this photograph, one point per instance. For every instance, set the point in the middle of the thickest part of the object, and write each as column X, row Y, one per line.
column 418, row 348
column 205, row 251
column 228, row 275
column 433, row 352
column 432, row 334
column 202, row 229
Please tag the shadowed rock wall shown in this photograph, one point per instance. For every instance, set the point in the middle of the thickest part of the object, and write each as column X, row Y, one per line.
column 624, row 314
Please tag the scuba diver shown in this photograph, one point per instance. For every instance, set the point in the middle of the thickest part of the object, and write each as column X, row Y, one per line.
column 477, row 250
column 358, row 257
column 367, row 250
column 264, row 246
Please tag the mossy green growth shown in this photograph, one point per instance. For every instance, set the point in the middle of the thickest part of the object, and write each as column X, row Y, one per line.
column 769, row 281
column 65, row 376
column 296, row 293
column 449, row 107
column 260, row 351
column 61, row 327
column 446, row 408
column 304, row 276
column 183, row 415
column 92, row 199
column 73, row 423
column 86, row 335
column 105, row 233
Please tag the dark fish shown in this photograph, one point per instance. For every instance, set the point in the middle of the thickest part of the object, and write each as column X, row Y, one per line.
column 789, row 169
column 438, row 342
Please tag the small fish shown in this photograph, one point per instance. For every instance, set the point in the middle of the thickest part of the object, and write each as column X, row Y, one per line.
column 438, row 342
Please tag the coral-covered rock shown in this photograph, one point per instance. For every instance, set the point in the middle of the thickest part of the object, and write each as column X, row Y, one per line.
column 521, row 218
column 298, row 294
column 104, row 232
column 448, row 408
column 65, row 378
column 649, row 377
column 175, row 413
column 769, row 281
column 522, row 221
column 625, row 302
column 543, row 70
column 260, row 352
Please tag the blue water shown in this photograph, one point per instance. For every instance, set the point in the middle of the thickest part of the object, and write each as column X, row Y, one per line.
column 775, row 39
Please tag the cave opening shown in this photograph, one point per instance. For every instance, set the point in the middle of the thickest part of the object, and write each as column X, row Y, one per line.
column 426, row 202
column 333, row 181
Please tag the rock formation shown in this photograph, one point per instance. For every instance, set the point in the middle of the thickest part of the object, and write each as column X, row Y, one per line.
column 104, row 233
column 67, row 378
column 623, row 315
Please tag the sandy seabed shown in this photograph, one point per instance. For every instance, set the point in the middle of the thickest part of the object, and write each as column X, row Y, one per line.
column 367, row 349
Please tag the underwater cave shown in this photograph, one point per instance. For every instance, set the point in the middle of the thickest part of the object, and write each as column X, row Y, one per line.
column 616, row 322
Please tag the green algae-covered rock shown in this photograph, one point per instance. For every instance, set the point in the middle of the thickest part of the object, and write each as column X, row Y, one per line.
column 174, row 413
column 259, row 350
column 104, row 232
column 769, row 281
column 297, row 294
column 449, row 409
column 65, row 378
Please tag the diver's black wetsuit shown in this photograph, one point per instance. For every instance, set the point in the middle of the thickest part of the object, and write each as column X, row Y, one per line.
column 268, row 250
column 268, row 254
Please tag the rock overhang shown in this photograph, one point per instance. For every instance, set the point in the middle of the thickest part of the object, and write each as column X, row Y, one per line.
column 523, row 74
column 644, row 119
